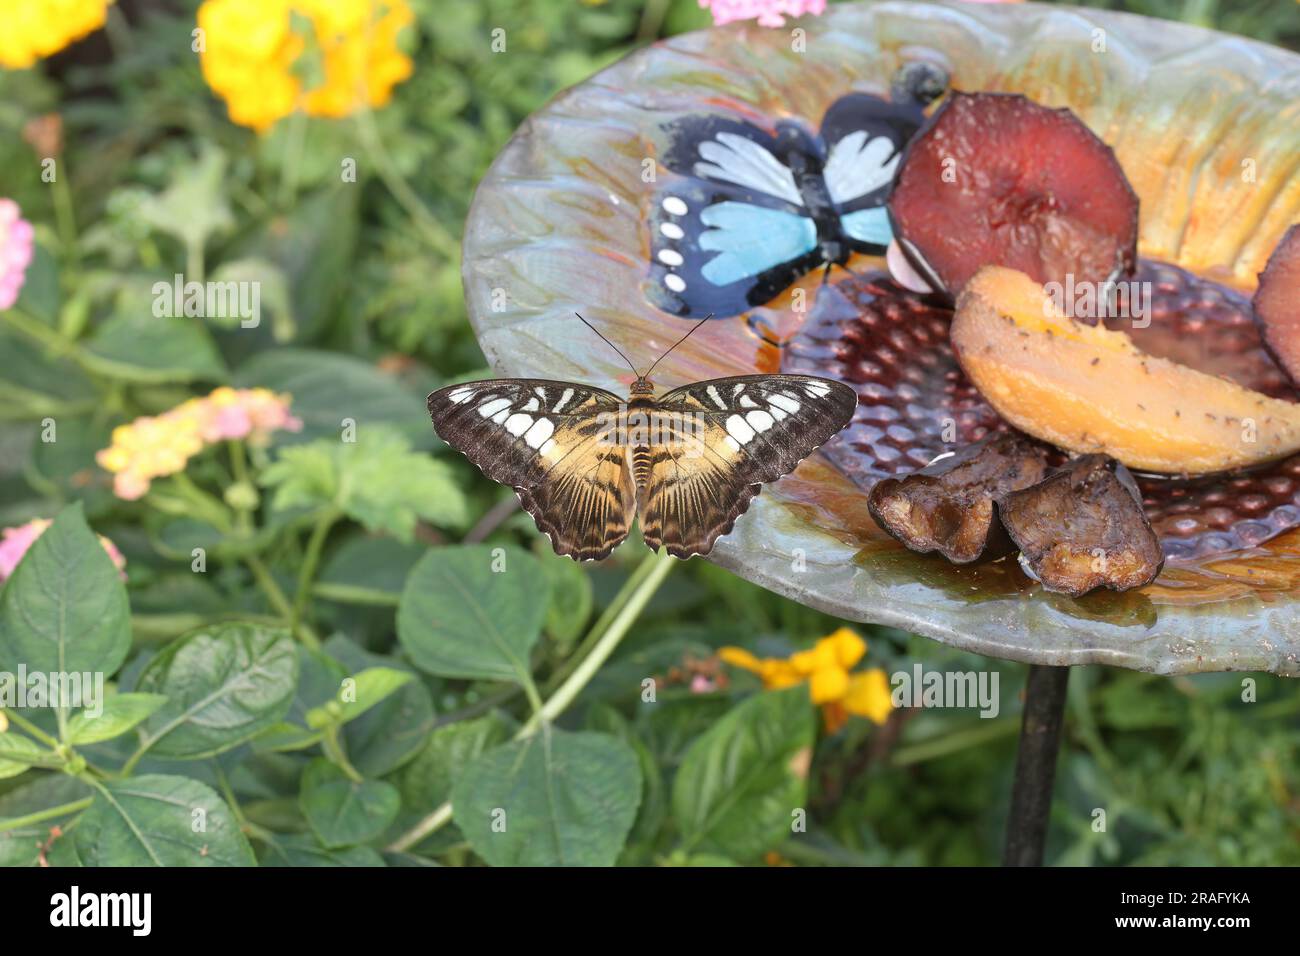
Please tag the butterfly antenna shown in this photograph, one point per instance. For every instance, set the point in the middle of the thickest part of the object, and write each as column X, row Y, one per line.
column 677, row 343
column 610, row 344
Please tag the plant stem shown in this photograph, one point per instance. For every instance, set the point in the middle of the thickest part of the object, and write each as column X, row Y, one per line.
column 644, row 589
column 48, row 813
column 279, row 601
column 434, row 233
column 602, row 624
column 334, row 750
column 21, row 721
column 239, row 471
column 315, row 544
column 64, row 216
column 630, row 601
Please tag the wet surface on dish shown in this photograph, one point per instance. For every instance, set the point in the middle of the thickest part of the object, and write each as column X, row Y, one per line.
column 915, row 403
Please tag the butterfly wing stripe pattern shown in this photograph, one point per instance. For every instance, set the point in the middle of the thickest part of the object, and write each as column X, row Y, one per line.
column 549, row 441
column 753, row 429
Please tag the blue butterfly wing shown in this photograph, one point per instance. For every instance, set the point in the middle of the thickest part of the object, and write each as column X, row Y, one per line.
column 729, row 230
column 870, row 227
column 724, row 251
column 864, row 137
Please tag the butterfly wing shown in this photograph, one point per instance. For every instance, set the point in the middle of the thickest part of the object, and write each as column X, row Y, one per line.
column 550, row 441
column 865, row 137
column 734, row 435
column 730, row 230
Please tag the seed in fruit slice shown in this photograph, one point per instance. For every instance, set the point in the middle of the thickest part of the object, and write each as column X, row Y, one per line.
column 1087, row 389
column 1083, row 528
column 997, row 179
column 1277, row 303
column 948, row 505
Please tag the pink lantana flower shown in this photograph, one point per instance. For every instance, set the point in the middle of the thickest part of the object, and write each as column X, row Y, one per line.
column 15, row 252
column 250, row 413
column 768, row 13
column 14, row 543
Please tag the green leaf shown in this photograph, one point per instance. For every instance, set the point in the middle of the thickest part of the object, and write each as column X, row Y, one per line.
column 121, row 713
column 571, row 598
column 359, row 693
column 554, row 799
column 473, row 611
column 328, row 387
column 64, row 609
column 34, row 382
column 159, row 820
column 741, row 781
column 65, row 467
column 19, row 753
column 284, row 736
column 427, row 780
column 366, row 565
column 273, row 294
column 41, row 296
column 391, row 733
column 21, row 846
column 342, row 811
column 193, row 207
column 225, row 684
column 301, row 849
column 137, row 346
column 376, row 480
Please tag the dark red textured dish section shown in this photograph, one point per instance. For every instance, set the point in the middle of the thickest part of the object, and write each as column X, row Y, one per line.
column 914, row 403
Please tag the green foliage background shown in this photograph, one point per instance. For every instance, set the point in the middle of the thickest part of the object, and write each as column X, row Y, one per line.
column 366, row 315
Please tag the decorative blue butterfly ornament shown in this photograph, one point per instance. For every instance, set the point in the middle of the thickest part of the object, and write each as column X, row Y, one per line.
column 749, row 211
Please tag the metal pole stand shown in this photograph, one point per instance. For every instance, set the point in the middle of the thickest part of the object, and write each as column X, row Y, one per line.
column 1040, row 740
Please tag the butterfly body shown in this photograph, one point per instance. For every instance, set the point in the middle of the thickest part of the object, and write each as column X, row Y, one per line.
column 584, row 461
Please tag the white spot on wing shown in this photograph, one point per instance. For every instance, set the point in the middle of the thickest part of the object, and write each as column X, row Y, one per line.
column 538, row 435
column 564, row 399
column 747, row 402
column 731, row 443
column 460, row 395
column 670, row 257
column 533, row 405
column 674, row 206
column 675, row 282
column 818, row 389
column 787, row 403
column 738, row 429
column 518, row 423
column 717, row 399
column 672, row 230
column 760, row 420
column 488, row 409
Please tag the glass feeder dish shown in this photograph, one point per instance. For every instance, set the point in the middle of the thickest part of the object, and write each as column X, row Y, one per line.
column 1207, row 129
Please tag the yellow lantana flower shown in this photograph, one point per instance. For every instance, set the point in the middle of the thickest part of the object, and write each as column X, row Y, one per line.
column 155, row 446
column 31, row 30
column 832, row 684
column 253, row 57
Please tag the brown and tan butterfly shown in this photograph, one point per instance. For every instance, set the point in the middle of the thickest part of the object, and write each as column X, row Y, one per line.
column 584, row 461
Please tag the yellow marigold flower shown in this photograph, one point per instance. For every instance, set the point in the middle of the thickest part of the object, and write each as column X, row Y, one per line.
column 31, row 30
column 827, row 669
column 252, row 55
